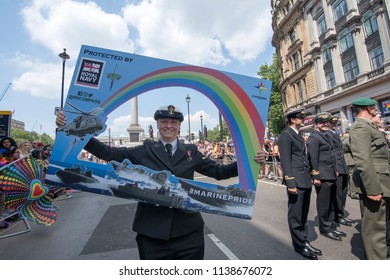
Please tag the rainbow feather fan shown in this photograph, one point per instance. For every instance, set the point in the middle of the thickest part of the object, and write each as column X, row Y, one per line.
column 22, row 182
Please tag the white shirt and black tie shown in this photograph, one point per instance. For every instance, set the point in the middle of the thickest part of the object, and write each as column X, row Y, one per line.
column 170, row 147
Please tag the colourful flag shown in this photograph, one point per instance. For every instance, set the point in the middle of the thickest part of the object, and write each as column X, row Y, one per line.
column 22, row 181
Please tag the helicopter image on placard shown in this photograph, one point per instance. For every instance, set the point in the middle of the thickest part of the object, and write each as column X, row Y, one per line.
column 86, row 123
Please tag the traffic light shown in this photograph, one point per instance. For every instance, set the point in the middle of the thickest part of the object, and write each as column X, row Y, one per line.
column 192, row 136
column 200, row 135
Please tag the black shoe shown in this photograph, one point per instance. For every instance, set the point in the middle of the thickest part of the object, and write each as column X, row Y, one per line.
column 349, row 220
column 331, row 235
column 307, row 253
column 340, row 233
column 315, row 250
column 344, row 222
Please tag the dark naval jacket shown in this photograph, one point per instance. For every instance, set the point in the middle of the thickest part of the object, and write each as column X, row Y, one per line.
column 292, row 150
column 159, row 221
column 341, row 166
column 322, row 161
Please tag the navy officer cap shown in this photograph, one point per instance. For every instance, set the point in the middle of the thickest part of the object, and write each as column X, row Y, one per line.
column 334, row 119
column 364, row 101
column 298, row 113
column 322, row 117
column 168, row 112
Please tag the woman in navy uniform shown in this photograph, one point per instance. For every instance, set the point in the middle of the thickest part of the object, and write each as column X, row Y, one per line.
column 323, row 171
column 296, row 172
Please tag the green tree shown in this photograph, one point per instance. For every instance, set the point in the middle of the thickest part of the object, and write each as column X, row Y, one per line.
column 214, row 134
column 275, row 112
column 21, row 135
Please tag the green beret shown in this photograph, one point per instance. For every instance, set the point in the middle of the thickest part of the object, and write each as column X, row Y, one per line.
column 364, row 101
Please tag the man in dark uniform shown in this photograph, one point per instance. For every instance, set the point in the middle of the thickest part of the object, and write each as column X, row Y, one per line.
column 163, row 232
column 296, row 172
column 341, row 174
column 323, row 171
column 371, row 177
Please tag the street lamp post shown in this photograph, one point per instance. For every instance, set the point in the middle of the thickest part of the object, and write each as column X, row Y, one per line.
column 109, row 137
column 188, row 100
column 201, row 126
column 220, row 127
column 64, row 56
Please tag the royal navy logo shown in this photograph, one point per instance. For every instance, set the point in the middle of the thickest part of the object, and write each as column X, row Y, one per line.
column 171, row 110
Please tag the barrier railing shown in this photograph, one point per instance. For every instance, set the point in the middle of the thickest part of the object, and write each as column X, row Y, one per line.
column 272, row 170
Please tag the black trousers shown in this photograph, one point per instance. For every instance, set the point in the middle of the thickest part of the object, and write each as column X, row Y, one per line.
column 341, row 195
column 298, row 209
column 186, row 247
column 326, row 196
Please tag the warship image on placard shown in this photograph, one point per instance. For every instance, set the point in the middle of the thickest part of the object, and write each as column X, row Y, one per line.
column 161, row 196
column 75, row 175
column 153, row 181
column 137, row 183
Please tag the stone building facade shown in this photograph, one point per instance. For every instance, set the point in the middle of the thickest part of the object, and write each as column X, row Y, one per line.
column 332, row 52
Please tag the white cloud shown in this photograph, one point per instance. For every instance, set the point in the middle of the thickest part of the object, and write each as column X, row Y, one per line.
column 58, row 24
column 38, row 77
column 201, row 31
column 68, row 24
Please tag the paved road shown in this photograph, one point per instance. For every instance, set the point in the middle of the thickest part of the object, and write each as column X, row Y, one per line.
column 94, row 227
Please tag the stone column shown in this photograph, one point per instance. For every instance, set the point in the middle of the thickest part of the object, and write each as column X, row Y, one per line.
column 337, row 66
column 319, row 74
column 327, row 13
column 361, row 50
column 384, row 32
column 134, row 129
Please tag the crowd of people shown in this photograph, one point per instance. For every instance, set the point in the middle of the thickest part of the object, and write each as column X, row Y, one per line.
column 222, row 151
column 271, row 169
column 11, row 151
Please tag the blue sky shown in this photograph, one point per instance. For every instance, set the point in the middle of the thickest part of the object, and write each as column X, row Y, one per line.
column 227, row 35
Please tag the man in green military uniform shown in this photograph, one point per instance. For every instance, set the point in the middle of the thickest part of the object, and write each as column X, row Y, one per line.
column 350, row 163
column 371, row 177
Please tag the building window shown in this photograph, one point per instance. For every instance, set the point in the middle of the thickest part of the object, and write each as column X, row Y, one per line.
column 297, row 64
column 330, row 80
column 292, row 35
column 345, row 40
column 300, row 92
column 377, row 58
column 351, row 70
column 326, row 55
column 370, row 23
column 321, row 25
column 340, row 8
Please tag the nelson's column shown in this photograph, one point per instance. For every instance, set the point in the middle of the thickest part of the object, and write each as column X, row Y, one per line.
column 135, row 130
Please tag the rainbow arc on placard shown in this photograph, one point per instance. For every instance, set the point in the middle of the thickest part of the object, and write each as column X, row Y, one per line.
column 240, row 113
